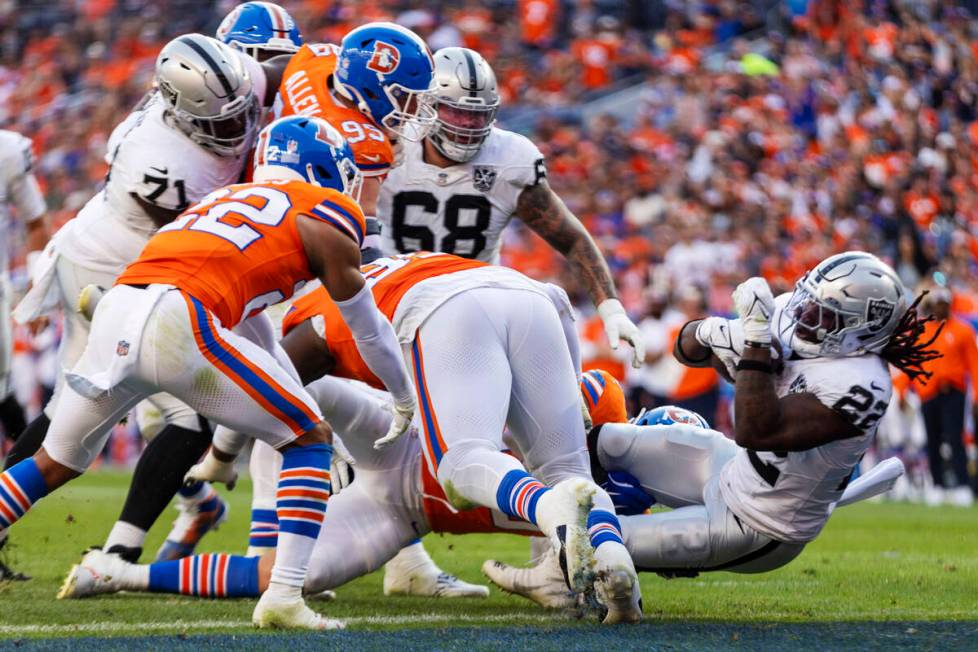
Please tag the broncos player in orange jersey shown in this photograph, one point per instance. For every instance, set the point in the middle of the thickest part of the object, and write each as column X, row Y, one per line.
column 167, row 326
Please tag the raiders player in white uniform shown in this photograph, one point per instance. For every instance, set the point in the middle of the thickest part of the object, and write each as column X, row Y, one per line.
column 456, row 190
column 19, row 189
column 804, row 420
column 185, row 139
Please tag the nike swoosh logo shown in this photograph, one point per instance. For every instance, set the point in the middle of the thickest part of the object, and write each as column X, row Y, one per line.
column 876, row 387
column 372, row 157
column 162, row 171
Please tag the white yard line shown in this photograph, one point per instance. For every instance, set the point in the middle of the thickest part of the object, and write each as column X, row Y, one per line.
column 187, row 625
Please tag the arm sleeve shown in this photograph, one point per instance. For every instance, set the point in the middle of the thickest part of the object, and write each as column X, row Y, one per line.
column 377, row 344
column 355, row 413
column 24, row 191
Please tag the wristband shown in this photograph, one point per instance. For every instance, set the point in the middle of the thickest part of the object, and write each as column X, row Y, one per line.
column 757, row 345
column 754, row 365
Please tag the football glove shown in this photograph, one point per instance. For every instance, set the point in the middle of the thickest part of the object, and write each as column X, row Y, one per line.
column 403, row 414
column 627, row 493
column 755, row 305
column 617, row 326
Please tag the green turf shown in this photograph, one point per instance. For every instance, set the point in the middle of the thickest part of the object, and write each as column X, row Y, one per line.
column 874, row 563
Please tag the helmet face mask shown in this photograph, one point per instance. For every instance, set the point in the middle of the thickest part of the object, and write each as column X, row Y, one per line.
column 468, row 101
column 414, row 114
column 849, row 304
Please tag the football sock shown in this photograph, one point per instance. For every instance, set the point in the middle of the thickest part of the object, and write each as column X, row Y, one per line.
column 209, row 576
column 21, row 486
column 29, row 441
column 411, row 558
column 264, row 531
column 159, row 473
column 303, row 489
column 124, row 537
column 12, row 417
column 603, row 526
column 518, row 495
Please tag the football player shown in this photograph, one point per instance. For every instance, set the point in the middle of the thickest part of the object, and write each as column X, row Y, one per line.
column 456, row 190
column 166, row 326
column 804, row 420
column 18, row 188
column 262, row 30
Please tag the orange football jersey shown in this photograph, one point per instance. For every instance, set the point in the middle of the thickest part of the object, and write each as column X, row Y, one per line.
column 389, row 278
column 238, row 251
column 305, row 91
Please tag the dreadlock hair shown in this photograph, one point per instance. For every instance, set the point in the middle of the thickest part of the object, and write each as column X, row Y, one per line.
column 906, row 349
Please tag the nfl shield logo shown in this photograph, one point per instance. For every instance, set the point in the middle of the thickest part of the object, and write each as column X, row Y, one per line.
column 122, row 348
column 878, row 313
column 483, row 177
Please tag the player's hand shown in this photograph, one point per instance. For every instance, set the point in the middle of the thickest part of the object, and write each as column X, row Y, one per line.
column 88, row 300
column 340, row 470
column 755, row 305
column 725, row 337
column 627, row 493
column 403, row 414
column 617, row 326
column 211, row 469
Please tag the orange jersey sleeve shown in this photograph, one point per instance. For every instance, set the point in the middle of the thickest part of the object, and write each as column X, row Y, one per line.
column 305, row 91
column 390, row 279
column 239, row 250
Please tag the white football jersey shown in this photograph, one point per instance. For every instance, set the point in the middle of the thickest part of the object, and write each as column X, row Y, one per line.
column 18, row 188
column 149, row 157
column 789, row 496
column 461, row 209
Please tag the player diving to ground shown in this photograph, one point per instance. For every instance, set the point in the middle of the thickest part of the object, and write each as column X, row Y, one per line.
column 187, row 138
column 804, row 421
column 457, row 189
column 166, row 326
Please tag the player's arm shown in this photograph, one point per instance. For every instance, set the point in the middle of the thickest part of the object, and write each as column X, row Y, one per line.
column 543, row 211
column 335, row 259
column 274, row 69
column 309, row 352
column 795, row 422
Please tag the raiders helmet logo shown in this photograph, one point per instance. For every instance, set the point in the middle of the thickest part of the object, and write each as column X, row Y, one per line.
column 878, row 313
column 483, row 177
column 385, row 58
column 799, row 385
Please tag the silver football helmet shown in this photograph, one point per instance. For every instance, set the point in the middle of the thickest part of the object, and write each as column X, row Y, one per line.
column 849, row 304
column 467, row 102
column 208, row 93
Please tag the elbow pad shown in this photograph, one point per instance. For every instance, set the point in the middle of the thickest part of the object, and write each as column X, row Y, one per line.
column 377, row 344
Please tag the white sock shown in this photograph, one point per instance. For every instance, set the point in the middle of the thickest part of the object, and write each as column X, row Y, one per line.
column 283, row 591
column 411, row 558
column 125, row 534
column 135, row 577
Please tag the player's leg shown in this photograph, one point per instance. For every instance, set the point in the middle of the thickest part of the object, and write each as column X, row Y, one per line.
column 546, row 423
column 264, row 467
column 673, row 463
column 11, row 412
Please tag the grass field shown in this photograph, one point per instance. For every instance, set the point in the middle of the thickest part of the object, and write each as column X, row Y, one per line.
column 886, row 576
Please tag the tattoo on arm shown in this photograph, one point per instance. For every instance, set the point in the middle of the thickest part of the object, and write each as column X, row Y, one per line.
column 543, row 211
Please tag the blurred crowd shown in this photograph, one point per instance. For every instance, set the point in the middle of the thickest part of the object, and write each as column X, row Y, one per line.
column 761, row 140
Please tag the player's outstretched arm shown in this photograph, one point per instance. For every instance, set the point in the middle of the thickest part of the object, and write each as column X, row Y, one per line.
column 335, row 259
column 543, row 211
column 274, row 69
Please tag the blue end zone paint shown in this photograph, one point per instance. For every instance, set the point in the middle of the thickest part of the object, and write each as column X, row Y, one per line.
column 650, row 636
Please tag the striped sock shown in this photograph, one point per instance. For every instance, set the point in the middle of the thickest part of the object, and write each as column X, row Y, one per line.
column 264, row 528
column 303, row 489
column 603, row 526
column 518, row 494
column 208, row 576
column 21, row 486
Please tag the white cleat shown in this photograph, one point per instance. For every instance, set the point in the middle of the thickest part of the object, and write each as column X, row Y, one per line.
column 431, row 583
column 562, row 516
column 98, row 572
column 616, row 585
column 543, row 583
column 275, row 612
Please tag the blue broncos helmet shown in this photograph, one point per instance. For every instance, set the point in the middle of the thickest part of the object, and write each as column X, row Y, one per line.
column 312, row 149
column 387, row 71
column 668, row 415
column 260, row 29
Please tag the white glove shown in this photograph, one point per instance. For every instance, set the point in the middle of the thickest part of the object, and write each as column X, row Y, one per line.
column 725, row 337
column 617, row 326
column 211, row 469
column 403, row 414
column 755, row 305
column 340, row 469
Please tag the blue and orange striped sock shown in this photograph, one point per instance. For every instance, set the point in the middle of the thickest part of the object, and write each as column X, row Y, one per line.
column 264, row 530
column 518, row 495
column 303, row 489
column 21, row 486
column 208, row 576
column 603, row 526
